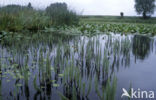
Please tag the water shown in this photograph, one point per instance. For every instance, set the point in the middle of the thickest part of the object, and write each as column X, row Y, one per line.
column 79, row 67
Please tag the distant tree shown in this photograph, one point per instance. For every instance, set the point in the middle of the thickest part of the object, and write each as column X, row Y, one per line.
column 121, row 14
column 29, row 5
column 145, row 7
column 60, row 14
column 56, row 7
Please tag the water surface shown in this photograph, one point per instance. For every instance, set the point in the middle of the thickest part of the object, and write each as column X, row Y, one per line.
column 77, row 67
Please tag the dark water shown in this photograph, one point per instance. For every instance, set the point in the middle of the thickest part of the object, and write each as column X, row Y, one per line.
column 82, row 68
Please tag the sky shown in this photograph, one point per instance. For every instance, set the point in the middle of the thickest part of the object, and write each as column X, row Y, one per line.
column 85, row 7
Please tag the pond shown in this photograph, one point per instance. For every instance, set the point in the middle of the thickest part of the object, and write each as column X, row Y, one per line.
column 78, row 67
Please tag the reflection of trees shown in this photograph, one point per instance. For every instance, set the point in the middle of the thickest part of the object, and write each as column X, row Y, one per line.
column 141, row 46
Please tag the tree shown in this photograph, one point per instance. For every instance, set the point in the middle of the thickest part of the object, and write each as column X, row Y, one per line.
column 60, row 14
column 29, row 5
column 121, row 14
column 145, row 7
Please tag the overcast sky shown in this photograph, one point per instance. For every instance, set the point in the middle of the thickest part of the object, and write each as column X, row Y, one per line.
column 85, row 7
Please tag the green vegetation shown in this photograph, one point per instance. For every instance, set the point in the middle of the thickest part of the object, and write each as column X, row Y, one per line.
column 85, row 29
column 118, row 28
column 19, row 18
column 126, row 25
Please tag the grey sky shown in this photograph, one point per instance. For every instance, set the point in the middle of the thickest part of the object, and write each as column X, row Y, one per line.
column 85, row 7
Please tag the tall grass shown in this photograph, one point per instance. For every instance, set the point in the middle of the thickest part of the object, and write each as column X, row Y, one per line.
column 18, row 18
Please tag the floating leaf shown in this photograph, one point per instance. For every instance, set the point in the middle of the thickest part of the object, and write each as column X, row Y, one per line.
column 18, row 85
column 60, row 75
column 8, row 80
column 55, row 85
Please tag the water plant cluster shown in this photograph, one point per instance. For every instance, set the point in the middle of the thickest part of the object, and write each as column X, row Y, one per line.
column 118, row 28
column 83, row 29
column 105, row 28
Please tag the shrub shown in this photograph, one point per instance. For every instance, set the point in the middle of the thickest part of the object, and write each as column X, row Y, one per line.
column 60, row 14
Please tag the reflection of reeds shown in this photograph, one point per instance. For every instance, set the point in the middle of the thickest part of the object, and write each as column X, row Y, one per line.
column 62, row 96
column 79, row 67
column 35, row 84
column 108, row 91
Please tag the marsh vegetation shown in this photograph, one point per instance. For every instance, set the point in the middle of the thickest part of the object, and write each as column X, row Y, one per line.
column 17, row 18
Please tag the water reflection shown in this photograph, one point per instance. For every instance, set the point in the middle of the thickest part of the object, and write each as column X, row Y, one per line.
column 141, row 46
column 80, row 67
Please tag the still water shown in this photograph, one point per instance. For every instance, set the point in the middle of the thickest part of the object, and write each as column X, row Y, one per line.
column 78, row 67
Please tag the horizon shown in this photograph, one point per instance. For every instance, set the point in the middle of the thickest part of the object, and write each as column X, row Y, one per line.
column 87, row 7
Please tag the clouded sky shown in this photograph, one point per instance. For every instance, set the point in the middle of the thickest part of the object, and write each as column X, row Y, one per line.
column 85, row 7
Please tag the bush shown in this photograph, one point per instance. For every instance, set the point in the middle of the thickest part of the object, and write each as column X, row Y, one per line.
column 60, row 14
